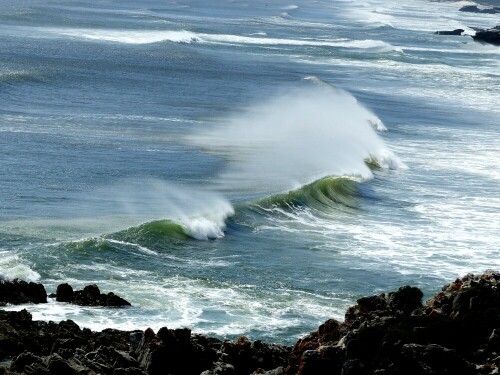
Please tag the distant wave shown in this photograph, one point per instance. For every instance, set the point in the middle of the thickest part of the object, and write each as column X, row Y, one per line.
column 184, row 36
column 130, row 36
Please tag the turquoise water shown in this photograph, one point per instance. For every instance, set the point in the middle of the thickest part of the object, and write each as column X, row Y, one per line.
column 244, row 167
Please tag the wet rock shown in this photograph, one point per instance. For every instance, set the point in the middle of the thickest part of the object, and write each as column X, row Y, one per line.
column 18, row 292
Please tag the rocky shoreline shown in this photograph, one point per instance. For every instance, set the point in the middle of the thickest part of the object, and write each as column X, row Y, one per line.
column 455, row 332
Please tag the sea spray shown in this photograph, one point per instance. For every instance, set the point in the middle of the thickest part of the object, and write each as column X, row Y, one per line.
column 296, row 138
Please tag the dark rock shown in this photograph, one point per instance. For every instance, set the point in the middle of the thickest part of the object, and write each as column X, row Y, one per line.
column 89, row 296
column 59, row 366
column 450, row 32
column 476, row 9
column 64, row 293
column 406, row 299
column 113, row 300
column 491, row 36
column 168, row 353
column 18, row 292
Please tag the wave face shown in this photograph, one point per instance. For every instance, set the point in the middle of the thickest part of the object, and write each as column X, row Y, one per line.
column 297, row 138
column 323, row 195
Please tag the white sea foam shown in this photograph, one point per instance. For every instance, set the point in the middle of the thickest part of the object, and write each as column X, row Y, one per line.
column 203, row 228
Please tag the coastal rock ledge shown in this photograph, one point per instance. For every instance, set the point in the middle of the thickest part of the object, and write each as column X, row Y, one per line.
column 455, row 332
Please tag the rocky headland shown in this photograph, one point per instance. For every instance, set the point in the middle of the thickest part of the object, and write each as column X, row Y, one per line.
column 455, row 332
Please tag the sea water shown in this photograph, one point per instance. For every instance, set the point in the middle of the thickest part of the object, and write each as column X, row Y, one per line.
column 244, row 167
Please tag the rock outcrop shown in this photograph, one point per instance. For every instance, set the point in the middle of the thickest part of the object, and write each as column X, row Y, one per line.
column 89, row 296
column 455, row 332
column 490, row 36
column 43, row 348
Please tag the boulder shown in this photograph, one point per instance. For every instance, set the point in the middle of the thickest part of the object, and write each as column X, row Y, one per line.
column 64, row 293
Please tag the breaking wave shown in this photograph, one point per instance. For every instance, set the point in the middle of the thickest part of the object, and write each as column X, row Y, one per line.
column 199, row 228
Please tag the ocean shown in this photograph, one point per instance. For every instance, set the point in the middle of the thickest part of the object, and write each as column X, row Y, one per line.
column 244, row 167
